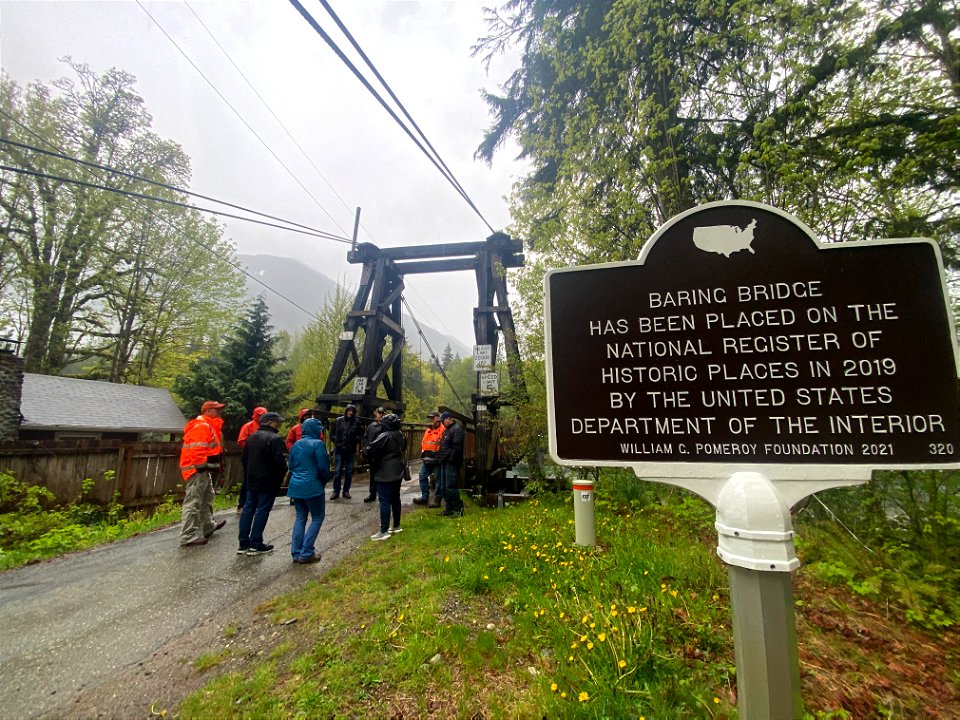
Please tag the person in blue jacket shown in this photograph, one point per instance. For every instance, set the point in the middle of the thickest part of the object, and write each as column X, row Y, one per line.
column 309, row 472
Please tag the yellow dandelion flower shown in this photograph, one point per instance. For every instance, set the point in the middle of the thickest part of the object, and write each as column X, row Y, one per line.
column 716, row 700
column 643, row 609
column 569, row 658
column 553, row 687
column 589, row 646
column 673, row 592
column 562, row 616
column 631, row 609
column 585, row 618
column 563, row 695
column 583, row 697
column 592, row 625
column 400, row 617
column 716, row 597
column 486, row 577
column 646, row 572
column 613, row 607
column 573, row 646
column 622, row 664
column 601, row 637
column 502, row 568
column 613, row 613
column 583, row 638
column 447, row 559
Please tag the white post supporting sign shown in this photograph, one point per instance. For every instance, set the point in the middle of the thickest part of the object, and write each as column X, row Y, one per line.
column 583, row 513
column 742, row 359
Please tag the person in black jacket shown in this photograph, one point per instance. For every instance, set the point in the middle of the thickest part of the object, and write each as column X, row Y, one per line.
column 264, row 467
column 373, row 429
column 345, row 433
column 450, row 458
column 387, row 464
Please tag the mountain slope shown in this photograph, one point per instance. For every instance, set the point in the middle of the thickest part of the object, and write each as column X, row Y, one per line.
column 310, row 290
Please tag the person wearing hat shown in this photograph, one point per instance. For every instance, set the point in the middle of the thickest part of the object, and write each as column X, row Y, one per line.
column 370, row 434
column 449, row 457
column 199, row 459
column 248, row 429
column 429, row 447
column 387, row 455
column 265, row 465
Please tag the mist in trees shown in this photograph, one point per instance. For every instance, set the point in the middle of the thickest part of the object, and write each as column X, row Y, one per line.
column 109, row 286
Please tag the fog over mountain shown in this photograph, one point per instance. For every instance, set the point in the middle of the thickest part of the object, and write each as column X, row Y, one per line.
column 310, row 290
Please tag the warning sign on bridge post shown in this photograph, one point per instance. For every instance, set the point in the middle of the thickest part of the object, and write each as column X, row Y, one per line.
column 738, row 340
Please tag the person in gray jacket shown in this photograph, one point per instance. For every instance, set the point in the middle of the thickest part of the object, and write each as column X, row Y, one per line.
column 388, row 465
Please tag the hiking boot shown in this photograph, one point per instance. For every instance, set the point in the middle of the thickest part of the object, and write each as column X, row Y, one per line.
column 260, row 549
column 370, row 498
column 315, row 558
column 346, row 495
column 380, row 536
column 395, row 530
column 335, row 496
column 219, row 524
column 242, row 550
column 419, row 501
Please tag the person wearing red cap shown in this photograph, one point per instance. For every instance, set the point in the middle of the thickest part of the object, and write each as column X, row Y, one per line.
column 199, row 459
column 248, row 429
column 296, row 432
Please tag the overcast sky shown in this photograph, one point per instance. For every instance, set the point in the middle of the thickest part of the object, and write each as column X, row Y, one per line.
column 421, row 48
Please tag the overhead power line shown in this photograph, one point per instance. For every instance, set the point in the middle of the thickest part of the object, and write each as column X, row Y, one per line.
column 187, row 236
column 437, row 163
column 133, row 176
column 141, row 196
column 239, row 116
column 269, row 109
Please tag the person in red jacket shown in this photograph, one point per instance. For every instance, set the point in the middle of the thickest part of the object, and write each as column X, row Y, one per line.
column 200, row 458
column 248, row 429
column 296, row 432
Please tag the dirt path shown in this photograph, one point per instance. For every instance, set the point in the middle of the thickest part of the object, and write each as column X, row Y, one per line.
column 111, row 632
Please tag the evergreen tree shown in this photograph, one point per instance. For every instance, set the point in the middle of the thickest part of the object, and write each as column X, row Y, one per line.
column 447, row 357
column 244, row 374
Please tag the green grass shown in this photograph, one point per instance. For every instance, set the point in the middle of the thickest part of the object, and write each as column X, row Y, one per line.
column 39, row 534
column 500, row 613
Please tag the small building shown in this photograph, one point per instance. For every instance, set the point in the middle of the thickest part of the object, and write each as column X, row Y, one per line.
column 61, row 408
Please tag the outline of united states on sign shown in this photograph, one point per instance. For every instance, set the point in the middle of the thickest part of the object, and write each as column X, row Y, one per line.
column 724, row 239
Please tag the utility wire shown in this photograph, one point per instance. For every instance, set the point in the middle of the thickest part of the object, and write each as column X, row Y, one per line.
column 449, row 177
column 433, row 355
column 186, row 235
column 130, row 193
column 241, row 118
column 133, row 176
column 270, row 110
column 356, row 46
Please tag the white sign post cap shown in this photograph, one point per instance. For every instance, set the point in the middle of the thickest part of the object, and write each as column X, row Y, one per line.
column 754, row 526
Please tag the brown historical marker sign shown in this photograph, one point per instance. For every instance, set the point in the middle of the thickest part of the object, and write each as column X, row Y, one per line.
column 738, row 339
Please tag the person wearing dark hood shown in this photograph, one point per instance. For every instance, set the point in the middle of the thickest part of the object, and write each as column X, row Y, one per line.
column 369, row 435
column 309, row 473
column 386, row 457
column 248, row 429
column 449, row 457
column 265, row 464
column 345, row 433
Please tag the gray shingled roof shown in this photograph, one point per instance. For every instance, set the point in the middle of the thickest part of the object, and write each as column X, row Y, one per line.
column 58, row 403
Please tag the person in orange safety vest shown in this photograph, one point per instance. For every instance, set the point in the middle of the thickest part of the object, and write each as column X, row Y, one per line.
column 429, row 446
column 200, row 458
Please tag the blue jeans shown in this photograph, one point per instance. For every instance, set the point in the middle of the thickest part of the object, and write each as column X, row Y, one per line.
column 345, row 460
column 451, row 474
column 253, row 519
column 389, row 494
column 425, row 472
column 304, row 538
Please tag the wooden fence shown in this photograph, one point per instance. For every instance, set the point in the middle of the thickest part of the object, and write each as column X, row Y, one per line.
column 135, row 473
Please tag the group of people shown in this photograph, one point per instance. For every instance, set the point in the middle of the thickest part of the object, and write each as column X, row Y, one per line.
column 302, row 460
